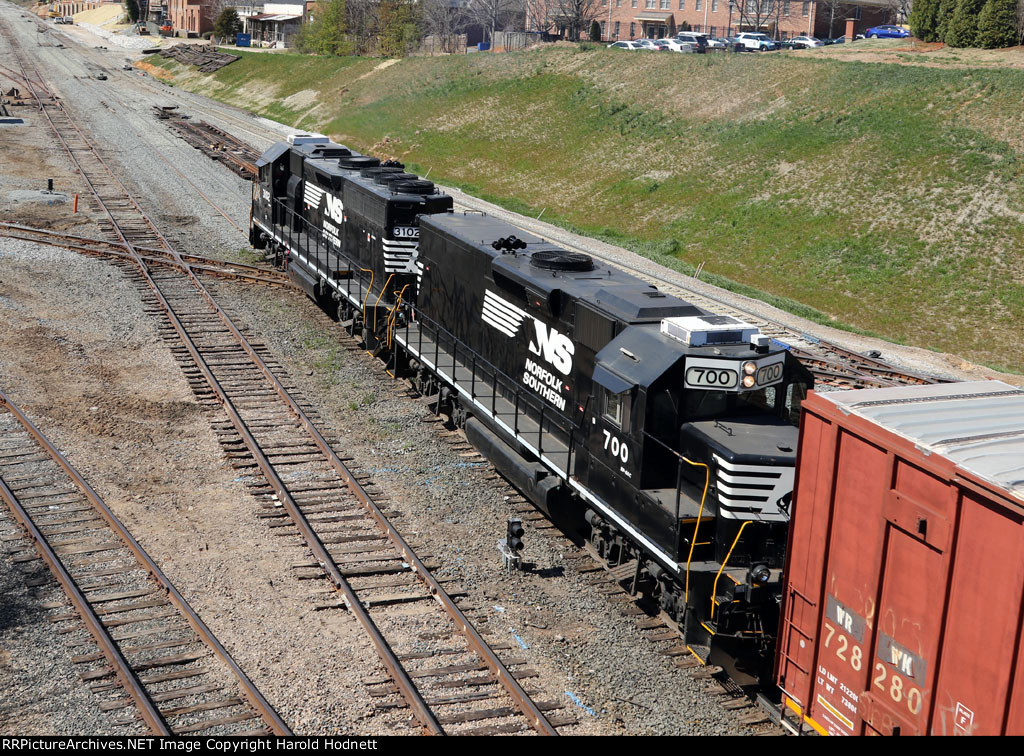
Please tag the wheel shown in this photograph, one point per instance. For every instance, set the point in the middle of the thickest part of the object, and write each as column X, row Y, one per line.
column 873, row 36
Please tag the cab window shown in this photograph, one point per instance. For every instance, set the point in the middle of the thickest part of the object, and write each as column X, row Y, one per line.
column 615, row 409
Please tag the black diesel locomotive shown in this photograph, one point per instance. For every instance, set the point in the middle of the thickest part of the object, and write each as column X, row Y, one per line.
column 667, row 432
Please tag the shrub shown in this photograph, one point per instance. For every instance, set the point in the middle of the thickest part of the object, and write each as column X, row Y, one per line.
column 227, row 25
column 996, row 24
column 595, row 31
column 963, row 27
column 924, row 20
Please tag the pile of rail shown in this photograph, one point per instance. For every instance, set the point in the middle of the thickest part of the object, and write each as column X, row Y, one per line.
column 216, row 143
column 207, row 57
column 155, row 653
column 305, row 486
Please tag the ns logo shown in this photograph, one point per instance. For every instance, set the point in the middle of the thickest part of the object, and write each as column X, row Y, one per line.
column 335, row 210
column 553, row 346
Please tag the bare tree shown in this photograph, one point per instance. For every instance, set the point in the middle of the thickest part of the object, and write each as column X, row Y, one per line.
column 445, row 20
column 492, row 15
column 900, row 10
column 756, row 14
column 363, row 23
column 1020, row 22
column 574, row 15
column 539, row 14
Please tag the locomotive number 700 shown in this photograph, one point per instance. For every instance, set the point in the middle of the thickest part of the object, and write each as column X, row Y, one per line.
column 616, row 447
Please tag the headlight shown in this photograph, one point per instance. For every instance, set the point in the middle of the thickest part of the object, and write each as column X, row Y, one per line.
column 759, row 574
column 748, row 381
column 749, row 368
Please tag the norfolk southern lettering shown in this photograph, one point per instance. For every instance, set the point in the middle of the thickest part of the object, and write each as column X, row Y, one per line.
column 542, row 381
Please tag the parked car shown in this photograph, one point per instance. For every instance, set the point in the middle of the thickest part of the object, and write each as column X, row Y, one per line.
column 626, row 45
column 699, row 41
column 756, row 41
column 650, row 44
column 718, row 43
column 804, row 42
column 887, row 31
column 674, row 45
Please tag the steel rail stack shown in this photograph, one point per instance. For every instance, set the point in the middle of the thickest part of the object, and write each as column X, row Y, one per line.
column 348, row 535
column 213, row 142
column 122, row 598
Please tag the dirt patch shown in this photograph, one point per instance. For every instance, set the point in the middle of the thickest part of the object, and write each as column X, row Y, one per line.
column 155, row 71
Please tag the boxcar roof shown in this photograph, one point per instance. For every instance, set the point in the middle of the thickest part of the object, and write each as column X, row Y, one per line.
column 978, row 425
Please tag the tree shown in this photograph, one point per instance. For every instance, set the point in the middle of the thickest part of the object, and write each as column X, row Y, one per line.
column 832, row 10
column 445, row 22
column 997, row 24
column 924, row 20
column 595, row 31
column 755, row 14
column 133, row 10
column 227, row 24
column 574, row 16
column 1020, row 22
column 328, row 33
column 900, row 9
column 492, row 14
column 539, row 15
column 963, row 27
column 946, row 10
column 399, row 25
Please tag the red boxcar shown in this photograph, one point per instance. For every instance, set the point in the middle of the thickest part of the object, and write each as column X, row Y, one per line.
column 905, row 572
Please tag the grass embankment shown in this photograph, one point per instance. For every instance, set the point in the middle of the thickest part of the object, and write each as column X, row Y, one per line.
column 888, row 197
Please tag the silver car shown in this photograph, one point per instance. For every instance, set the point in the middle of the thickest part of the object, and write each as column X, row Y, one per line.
column 626, row 45
column 675, row 45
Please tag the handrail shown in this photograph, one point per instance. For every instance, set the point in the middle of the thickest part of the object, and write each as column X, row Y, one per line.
column 714, row 586
column 696, row 526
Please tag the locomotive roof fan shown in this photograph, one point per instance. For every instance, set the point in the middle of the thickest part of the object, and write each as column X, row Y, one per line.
column 387, row 178
column 358, row 162
column 376, row 171
column 558, row 259
column 413, row 186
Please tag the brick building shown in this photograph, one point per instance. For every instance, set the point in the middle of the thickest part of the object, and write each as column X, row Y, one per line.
column 638, row 19
column 190, row 18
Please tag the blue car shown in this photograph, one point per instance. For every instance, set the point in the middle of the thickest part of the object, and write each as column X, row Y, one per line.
column 887, row 31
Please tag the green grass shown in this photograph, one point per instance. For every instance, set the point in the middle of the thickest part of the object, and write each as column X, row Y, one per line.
column 884, row 197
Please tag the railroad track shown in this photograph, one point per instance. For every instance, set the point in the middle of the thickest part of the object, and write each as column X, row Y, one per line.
column 156, row 660
column 253, row 274
column 445, row 673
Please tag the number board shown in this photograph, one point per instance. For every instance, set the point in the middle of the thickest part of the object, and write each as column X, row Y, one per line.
column 725, row 374
column 712, row 374
column 407, row 232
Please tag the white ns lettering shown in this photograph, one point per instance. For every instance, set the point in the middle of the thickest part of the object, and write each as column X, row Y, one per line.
column 554, row 347
column 335, row 208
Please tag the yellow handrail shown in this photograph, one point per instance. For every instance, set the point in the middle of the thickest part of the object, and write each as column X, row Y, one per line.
column 393, row 315
column 696, row 525
column 375, row 304
column 369, row 289
column 714, row 586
